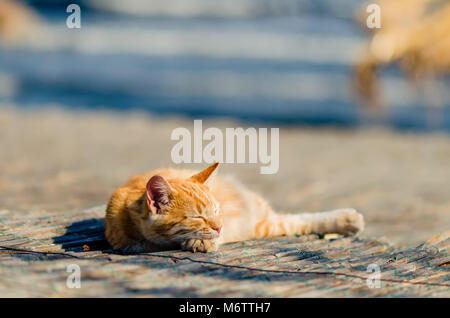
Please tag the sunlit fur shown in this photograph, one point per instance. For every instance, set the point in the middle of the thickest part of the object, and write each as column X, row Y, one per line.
column 200, row 205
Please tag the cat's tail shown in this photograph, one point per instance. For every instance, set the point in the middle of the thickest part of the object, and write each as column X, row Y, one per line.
column 342, row 221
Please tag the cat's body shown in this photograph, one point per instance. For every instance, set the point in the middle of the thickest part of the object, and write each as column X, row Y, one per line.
column 170, row 208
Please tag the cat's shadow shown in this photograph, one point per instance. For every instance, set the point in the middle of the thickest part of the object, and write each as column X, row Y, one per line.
column 83, row 236
column 88, row 236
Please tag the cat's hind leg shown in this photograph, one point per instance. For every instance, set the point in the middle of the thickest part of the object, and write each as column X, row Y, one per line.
column 342, row 221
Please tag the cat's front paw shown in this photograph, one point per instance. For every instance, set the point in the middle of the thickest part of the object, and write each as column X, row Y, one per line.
column 349, row 222
column 203, row 246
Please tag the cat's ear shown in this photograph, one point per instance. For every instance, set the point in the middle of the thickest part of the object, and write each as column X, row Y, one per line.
column 158, row 193
column 207, row 175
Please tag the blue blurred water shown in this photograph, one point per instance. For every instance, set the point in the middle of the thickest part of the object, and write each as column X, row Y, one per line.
column 282, row 61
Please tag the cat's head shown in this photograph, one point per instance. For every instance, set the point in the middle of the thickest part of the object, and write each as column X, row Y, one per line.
column 182, row 209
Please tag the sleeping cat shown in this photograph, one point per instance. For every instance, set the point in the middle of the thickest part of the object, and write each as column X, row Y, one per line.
column 171, row 208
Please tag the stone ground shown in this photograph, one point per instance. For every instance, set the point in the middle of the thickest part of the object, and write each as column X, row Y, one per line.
column 38, row 255
column 53, row 160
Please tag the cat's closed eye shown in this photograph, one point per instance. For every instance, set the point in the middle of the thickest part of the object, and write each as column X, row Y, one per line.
column 198, row 217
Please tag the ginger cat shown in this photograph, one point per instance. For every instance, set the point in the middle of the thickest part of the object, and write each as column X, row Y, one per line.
column 170, row 208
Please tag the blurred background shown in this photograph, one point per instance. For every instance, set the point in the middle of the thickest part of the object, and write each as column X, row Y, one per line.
column 288, row 61
column 364, row 113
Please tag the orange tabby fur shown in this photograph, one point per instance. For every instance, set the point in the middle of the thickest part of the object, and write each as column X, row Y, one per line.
column 171, row 208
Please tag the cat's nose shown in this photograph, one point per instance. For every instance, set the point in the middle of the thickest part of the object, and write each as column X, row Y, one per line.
column 217, row 229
